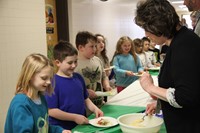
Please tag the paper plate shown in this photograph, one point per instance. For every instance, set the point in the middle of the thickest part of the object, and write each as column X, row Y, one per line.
column 104, row 121
column 111, row 67
column 107, row 93
column 154, row 68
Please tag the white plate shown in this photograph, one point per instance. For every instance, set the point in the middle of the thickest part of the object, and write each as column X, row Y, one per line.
column 154, row 68
column 137, row 74
column 111, row 67
column 111, row 121
column 107, row 93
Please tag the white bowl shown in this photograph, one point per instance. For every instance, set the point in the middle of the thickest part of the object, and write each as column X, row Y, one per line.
column 151, row 124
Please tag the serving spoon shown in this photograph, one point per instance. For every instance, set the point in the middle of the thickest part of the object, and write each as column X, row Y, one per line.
column 144, row 117
column 138, row 122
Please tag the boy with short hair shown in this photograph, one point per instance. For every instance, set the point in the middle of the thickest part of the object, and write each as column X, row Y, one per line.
column 67, row 106
column 91, row 67
column 150, row 55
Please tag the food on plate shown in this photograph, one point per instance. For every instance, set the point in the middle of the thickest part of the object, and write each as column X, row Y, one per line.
column 107, row 93
column 103, row 122
column 138, row 74
column 112, row 92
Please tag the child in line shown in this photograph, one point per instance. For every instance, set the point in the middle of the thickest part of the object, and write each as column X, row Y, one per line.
column 150, row 55
column 101, row 52
column 67, row 106
column 126, row 63
column 91, row 67
column 28, row 111
column 146, row 63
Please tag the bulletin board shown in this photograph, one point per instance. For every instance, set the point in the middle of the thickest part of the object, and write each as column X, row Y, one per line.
column 51, row 26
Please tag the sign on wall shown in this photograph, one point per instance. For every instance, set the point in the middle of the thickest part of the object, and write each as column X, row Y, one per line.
column 51, row 25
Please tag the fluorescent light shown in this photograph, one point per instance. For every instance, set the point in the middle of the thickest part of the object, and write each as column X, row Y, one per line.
column 182, row 6
column 177, row 2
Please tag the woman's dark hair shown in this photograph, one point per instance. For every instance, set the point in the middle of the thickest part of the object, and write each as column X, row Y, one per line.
column 157, row 17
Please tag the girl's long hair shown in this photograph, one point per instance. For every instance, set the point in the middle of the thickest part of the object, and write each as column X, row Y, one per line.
column 104, row 52
column 33, row 64
column 119, row 50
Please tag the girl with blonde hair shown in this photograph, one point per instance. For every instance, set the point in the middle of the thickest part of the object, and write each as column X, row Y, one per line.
column 28, row 111
column 126, row 63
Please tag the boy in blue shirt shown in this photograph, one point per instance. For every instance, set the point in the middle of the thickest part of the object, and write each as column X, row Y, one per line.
column 67, row 106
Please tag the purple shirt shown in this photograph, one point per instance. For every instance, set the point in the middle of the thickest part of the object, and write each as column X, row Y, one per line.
column 69, row 96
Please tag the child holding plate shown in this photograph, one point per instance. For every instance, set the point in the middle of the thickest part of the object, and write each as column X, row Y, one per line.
column 67, row 106
column 126, row 63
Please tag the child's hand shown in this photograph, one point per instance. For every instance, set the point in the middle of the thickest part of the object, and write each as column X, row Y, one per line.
column 98, row 113
column 129, row 73
column 157, row 64
column 108, row 88
column 92, row 93
column 140, row 72
column 108, row 72
column 66, row 131
column 146, row 69
column 80, row 119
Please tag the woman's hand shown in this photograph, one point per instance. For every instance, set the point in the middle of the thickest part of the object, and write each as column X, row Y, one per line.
column 146, row 82
column 150, row 109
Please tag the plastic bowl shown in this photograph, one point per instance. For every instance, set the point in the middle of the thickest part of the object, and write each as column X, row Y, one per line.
column 151, row 124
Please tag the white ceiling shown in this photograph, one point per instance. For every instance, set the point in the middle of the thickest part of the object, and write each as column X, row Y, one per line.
column 178, row 7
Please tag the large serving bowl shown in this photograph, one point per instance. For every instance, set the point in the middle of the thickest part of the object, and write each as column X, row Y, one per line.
column 151, row 124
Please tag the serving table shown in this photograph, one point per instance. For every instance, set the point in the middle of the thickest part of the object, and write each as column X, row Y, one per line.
column 112, row 111
column 133, row 99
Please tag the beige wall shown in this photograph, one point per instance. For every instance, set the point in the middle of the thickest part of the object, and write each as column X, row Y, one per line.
column 22, row 31
column 113, row 19
column 110, row 18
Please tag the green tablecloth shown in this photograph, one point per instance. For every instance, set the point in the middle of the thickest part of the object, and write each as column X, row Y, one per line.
column 154, row 72
column 112, row 111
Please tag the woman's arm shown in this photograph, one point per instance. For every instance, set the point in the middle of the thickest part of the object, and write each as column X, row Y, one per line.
column 147, row 84
column 167, row 95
